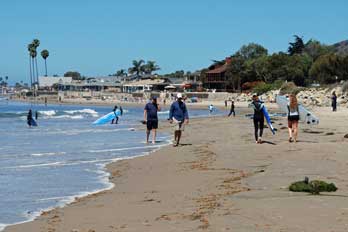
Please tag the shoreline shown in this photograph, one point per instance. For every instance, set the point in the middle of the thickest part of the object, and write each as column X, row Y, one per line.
column 80, row 196
column 201, row 187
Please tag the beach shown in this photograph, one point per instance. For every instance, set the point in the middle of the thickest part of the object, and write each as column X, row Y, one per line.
column 219, row 180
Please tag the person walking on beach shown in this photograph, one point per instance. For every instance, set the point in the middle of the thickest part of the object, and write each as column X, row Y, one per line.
column 293, row 118
column 211, row 108
column 232, row 110
column 178, row 115
column 29, row 118
column 258, row 118
column 151, row 119
column 225, row 103
column 121, row 110
column 334, row 101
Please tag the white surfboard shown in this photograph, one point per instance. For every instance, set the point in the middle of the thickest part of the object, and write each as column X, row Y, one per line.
column 305, row 115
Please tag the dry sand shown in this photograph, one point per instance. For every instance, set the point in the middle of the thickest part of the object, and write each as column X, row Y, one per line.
column 220, row 180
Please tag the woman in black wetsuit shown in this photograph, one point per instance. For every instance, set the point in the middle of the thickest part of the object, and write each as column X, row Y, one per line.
column 258, row 118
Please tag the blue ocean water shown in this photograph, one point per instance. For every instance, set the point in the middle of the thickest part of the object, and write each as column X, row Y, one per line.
column 47, row 166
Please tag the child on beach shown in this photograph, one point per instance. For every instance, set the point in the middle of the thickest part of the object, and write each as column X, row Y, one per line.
column 293, row 118
column 258, row 118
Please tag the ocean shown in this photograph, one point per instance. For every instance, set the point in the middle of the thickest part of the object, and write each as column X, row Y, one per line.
column 65, row 156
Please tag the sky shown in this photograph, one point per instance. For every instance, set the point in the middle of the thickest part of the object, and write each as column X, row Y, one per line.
column 98, row 38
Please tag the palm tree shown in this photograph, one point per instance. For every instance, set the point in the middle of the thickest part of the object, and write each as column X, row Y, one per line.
column 137, row 68
column 30, row 48
column 150, row 67
column 36, row 44
column 45, row 54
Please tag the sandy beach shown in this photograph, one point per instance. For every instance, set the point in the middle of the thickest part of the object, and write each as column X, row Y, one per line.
column 220, row 180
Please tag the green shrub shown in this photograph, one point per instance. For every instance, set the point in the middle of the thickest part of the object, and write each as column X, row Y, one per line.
column 313, row 187
column 262, row 88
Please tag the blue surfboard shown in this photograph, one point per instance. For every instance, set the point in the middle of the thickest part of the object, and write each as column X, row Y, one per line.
column 268, row 119
column 33, row 122
column 107, row 118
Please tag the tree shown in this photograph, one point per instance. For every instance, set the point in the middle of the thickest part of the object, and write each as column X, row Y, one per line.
column 45, row 54
column 326, row 68
column 35, row 45
column 75, row 75
column 150, row 67
column 30, row 47
column 315, row 49
column 121, row 73
column 137, row 68
column 235, row 71
column 252, row 51
column 296, row 47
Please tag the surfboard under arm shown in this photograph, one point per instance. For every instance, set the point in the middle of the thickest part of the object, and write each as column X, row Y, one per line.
column 268, row 119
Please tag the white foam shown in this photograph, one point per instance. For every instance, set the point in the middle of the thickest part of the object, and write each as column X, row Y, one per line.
column 124, row 149
column 2, row 226
column 48, row 112
column 69, row 116
column 163, row 112
column 84, row 111
column 48, row 154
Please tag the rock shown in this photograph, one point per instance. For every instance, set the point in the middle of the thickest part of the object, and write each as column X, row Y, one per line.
column 346, row 136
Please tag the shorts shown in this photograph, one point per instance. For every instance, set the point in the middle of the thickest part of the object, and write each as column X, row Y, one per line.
column 290, row 122
column 178, row 125
column 151, row 124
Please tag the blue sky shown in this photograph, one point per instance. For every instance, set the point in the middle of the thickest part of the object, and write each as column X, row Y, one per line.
column 100, row 37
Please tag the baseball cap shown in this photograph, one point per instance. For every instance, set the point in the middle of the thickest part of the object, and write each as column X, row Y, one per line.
column 179, row 95
column 154, row 98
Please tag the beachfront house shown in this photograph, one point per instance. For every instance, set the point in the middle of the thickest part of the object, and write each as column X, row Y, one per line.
column 49, row 82
column 215, row 78
column 145, row 85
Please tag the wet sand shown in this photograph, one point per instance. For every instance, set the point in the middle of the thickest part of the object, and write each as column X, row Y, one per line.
column 220, row 180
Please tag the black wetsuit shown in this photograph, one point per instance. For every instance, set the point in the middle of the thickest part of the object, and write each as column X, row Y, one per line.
column 259, row 119
column 29, row 118
column 334, row 103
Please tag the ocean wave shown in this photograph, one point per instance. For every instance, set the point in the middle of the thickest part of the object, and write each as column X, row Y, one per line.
column 123, row 149
column 48, row 112
column 163, row 112
column 48, row 154
column 84, row 111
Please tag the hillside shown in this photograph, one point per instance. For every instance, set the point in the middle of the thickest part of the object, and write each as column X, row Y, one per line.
column 341, row 48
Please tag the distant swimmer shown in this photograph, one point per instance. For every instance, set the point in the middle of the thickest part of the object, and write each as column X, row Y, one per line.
column 232, row 110
column 36, row 115
column 30, row 118
column 178, row 115
column 121, row 110
column 258, row 118
column 151, row 119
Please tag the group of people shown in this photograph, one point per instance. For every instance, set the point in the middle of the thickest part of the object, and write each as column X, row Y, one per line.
column 178, row 117
column 293, row 116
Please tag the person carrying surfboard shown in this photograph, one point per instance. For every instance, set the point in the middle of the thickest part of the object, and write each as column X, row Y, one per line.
column 293, row 118
column 178, row 115
column 151, row 118
column 258, row 118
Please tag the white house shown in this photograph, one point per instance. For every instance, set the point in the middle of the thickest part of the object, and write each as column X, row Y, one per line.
column 50, row 81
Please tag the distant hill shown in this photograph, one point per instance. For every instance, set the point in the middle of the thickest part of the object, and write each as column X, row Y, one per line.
column 341, row 48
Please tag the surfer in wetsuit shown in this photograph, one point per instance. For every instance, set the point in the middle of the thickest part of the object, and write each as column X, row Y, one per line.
column 121, row 110
column 115, row 120
column 258, row 118
column 29, row 118
column 293, row 118
column 36, row 115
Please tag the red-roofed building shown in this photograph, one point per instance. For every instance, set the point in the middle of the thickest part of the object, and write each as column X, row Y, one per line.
column 216, row 78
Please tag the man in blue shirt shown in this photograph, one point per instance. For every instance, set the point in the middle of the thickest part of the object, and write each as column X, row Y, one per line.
column 151, row 119
column 178, row 115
